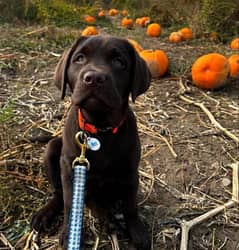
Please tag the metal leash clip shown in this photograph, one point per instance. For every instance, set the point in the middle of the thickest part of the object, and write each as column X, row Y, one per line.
column 81, row 141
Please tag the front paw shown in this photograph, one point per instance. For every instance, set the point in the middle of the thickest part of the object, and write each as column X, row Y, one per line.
column 139, row 235
column 42, row 220
column 63, row 238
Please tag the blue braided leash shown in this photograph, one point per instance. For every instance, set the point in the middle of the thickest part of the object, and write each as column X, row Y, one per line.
column 80, row 166
column 76, row 215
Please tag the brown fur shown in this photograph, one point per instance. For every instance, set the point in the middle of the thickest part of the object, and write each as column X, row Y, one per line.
column 102, row 72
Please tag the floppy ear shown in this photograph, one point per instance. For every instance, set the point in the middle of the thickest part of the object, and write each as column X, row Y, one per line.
column 142, row 77
column 60, row 76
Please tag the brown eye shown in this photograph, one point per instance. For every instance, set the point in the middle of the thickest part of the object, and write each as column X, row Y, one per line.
column 80, row 59
column 118, row 62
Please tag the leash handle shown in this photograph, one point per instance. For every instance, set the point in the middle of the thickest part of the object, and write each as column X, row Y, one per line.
column 76, row 215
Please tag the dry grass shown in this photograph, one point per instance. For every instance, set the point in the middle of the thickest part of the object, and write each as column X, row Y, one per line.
column 183, row 171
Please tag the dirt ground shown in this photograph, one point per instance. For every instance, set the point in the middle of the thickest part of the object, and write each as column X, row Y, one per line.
column 185, row 169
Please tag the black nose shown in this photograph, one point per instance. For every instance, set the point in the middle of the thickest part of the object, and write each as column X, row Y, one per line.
column 94, row 78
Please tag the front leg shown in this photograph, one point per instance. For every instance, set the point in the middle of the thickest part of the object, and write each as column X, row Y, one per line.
column 66, row 178
column 42, row 220
column 137, row 230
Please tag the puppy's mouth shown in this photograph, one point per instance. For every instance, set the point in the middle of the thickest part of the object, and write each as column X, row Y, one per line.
column 94, row 103
column 93, row 100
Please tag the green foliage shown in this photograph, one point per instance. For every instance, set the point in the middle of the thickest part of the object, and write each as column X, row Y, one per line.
column 130, row 4
column 21, row 9
column 60, row 12
column 8, row 66
column 172, row 12
column 220, row 16
column 135, row 8
column 180, row 67
column 7, row 112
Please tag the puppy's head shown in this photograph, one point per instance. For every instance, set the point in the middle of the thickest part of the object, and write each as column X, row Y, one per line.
column 102, row 71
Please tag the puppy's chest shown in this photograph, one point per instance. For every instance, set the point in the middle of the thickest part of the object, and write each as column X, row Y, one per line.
column 109, row 160
column 106, row 176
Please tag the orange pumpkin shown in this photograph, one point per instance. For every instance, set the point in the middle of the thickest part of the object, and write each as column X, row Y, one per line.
column 234, row 65
column 235, row 43
column 210, row 71
column 113, row 12
column 186, row 33
column 135, row 44
column 175, row 37
column 142, row 21
column 213, row 36
column 153, row 30
column 89, row 31
column 124, row 12
column 137, row 21
column 157, row 62
column 127, row 22
column 101, row 13
column 89, row 19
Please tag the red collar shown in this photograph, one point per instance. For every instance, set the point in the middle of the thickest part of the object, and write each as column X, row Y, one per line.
column 91, row 128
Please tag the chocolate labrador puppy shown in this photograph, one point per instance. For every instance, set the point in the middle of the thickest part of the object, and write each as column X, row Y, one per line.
column 101, row 71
